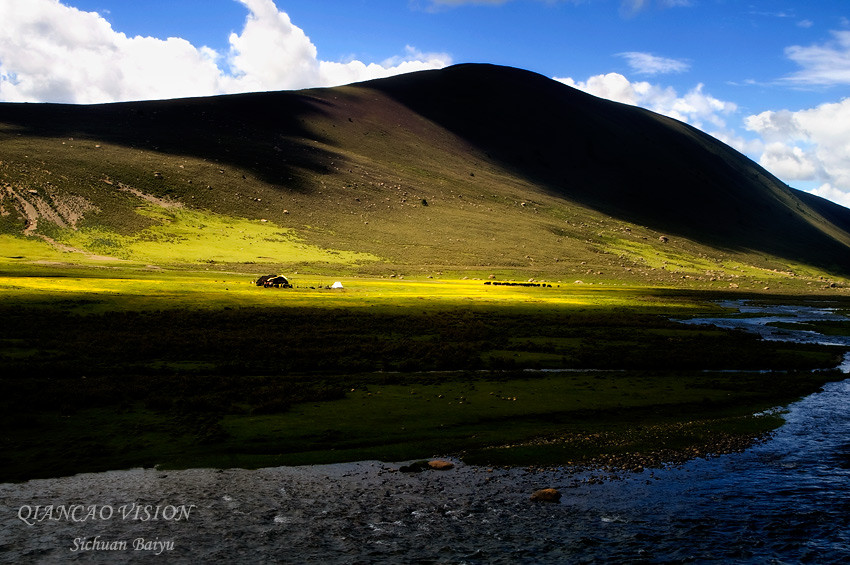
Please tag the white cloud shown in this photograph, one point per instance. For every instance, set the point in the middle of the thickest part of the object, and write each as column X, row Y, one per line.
column 648, row 64
column 334, row 74
column 750, row 147
column 827, row 64
column 808, row 145
column 271, row 52
column 695, row 107
column 831, row 193
column 51, row 52
column 789, row 162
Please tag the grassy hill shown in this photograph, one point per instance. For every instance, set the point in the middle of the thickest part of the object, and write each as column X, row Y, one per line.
column 472, row 170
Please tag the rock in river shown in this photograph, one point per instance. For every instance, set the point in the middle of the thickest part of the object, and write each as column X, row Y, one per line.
column 546, row 495
column 441, row 465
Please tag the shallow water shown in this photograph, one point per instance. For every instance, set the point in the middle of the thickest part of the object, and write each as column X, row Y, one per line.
column 760, row 316
column 784, row 501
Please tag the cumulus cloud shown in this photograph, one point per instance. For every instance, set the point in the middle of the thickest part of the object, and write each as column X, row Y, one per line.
column 694, row 107
column 831, row 193
column 826, row 64
column 52, row 52
column 649, row 64
column 811, row 145
column 808, row 145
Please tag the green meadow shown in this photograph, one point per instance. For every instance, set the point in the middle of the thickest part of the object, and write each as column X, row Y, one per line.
column 116, row 362
column 132, row 333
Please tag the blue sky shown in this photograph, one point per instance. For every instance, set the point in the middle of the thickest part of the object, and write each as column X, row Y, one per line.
column 771, row 78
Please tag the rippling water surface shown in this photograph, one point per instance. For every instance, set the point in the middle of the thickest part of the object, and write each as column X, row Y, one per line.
column 785, row 501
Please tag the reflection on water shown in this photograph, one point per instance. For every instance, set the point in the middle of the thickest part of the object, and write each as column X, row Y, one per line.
column 784, row 501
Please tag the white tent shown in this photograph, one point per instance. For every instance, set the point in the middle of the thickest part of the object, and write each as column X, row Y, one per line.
column 337, row 284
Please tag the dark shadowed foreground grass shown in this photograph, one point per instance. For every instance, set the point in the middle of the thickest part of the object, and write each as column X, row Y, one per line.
column 496, row 382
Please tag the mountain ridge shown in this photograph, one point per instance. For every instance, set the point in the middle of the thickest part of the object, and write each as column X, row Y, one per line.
column 612, row 135
column 473, row 166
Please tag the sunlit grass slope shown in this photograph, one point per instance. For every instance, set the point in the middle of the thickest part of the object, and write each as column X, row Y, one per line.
column 416, row 175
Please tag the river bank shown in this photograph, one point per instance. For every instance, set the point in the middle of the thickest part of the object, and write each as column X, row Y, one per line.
column 784, row 499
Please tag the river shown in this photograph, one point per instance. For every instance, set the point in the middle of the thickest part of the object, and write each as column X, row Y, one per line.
column 786, row 500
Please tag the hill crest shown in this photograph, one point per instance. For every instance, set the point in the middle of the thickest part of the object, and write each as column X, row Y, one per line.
column 469, row 167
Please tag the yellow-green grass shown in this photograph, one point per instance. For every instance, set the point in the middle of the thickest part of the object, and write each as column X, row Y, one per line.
column 705, row 268
column 181, row 236
column 34, row 271
column 139, row 287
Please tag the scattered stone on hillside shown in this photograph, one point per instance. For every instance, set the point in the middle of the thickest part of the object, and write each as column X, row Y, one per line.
column 491, row 277
column 424, row 202
column 546, row 495
column 733, row 285
column 663, row 239
column 157, row 175
column 441, row 465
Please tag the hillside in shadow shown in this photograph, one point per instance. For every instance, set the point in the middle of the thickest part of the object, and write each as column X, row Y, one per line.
column 343, row 150
column 267, row 133
column 625, row 161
